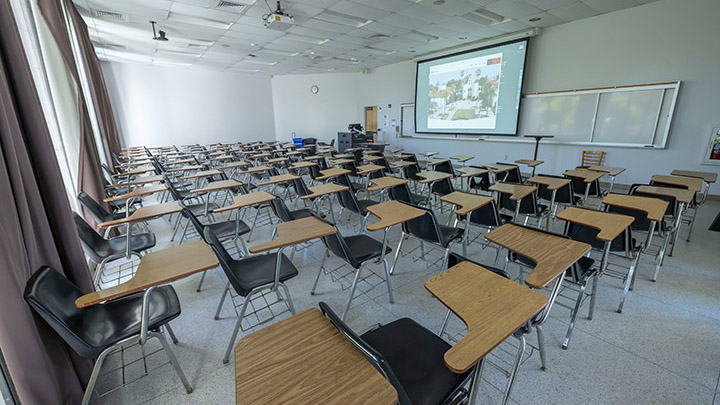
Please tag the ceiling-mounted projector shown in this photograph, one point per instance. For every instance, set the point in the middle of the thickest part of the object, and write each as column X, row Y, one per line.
column 278, row 20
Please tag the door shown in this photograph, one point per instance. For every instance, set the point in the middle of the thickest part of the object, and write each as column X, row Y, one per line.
column 371, row 119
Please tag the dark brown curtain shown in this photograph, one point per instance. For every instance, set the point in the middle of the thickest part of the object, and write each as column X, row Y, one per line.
column 98, row 89
column 35, row 229
column 90, row 178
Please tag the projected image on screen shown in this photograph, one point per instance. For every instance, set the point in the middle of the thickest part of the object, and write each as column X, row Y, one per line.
column 474, row 92
column 464, row 94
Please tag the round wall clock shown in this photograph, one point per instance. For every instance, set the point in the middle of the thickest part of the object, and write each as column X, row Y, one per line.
column 314, row 89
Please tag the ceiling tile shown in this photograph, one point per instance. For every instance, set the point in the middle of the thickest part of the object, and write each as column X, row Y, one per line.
column 387, row 5
column 422, row 13
column 608, row 6
column 450, row 8
column 514, row 9
column 358, row 10
column 546, row 20
column 386, row 29
column 403, row 21
column 550, row 4
column 327, row 26
column 575, row 11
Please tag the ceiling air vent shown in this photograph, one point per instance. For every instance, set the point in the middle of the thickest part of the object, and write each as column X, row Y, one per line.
column 110, row 15
column 230, row 6
column 379, row 37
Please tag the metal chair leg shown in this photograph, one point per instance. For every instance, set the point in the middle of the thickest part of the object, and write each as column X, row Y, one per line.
column 541, row 345
column 173, row 360
column 444, row 324
column 222, row 300
column 320, row 270
column 95, row 373
column 291, row 306
column 397, row 252
column 513, row 372
column 246, row 301
column 387, row 280
column 171, row 333
column 352, row 291
column 201, row 281
column 573, row 315
column 628, row 281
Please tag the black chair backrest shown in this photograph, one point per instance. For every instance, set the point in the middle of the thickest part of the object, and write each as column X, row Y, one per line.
column 107, row 170
column 425, row 227
column 528, row 205
column 336, row 244
column 315, row 172
column 173, row 191
column 53, row 296
column 563, row 195
column 372, row 355
column 579, row 185
column 281, row 210
column 481, row 181
column 445, row 167
column 487, row 215
column 300, row 187
column 195, row 221
column 588, row 235
column 411, row 172
column 572, row 271
column 455, row 258
column 401, row 193
column 641, row 222
column 95, row 210
column 511, row 176
column 442, row 187
column 349, row 201
column 224, row 258
column 89, row 239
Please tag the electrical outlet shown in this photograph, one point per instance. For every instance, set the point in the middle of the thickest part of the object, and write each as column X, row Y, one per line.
column 506, row 158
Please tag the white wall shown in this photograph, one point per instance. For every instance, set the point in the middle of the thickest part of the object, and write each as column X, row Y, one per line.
column 156, row 105
column 661, row 41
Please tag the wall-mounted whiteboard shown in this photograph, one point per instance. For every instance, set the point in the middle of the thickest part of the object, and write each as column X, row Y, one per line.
column 634, row 116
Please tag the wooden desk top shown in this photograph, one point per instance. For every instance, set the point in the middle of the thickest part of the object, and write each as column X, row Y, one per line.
column 470, row 171
column 610, row 171
column 138, row 181
column 401, row 164
column 530, row 162
column 707, row 177
column 610, row 225
column 517, row 191
column 436, row 161
column 186, row 168
column 282, row 178
column 344, row 156
column 313, row 157
column 217, row 185
column 323, row 189
column 491, row 306
column 294, row 232
column 138, row 192
column 372, row 158
column 371, row 152
column 221, row 157
column 680, row 194
column 352, row 149
column 366, row 169
column 305, row 360
column 233, row 165
column 158, row 268
column 431, row 176
column 340, row 162
column 332, row 172
column 246, row 200
column 302, row 165
column 259, row 155
column 204, row 173
column 498, row 168
column 137, row 162
column 392, row 213
column 145, row 213
column 654, row 207
column 462, row 158
column 179, row 162
column 382, row 183
column 294, row 153
column 139, row 170
column 466, row 202
column 427, row 154
column 552, row 254
column 394, row 150
column 552, row 183
column 256, row 169
column 588, row 176
column 278, row 160
column 690, row 183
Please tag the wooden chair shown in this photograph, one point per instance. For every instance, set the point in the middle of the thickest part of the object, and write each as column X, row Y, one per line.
column 592, row 158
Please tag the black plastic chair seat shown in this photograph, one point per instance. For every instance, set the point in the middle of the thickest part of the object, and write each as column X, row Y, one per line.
column 227, row 228
column 450, row 233
column 583, row 268
column 199, row 209
column 364, row 247
column 255, row 271
column 187, row 194
column 367, row 203
column 415, row 355
column 305, row 213
column 114, row 246
column 91, row 330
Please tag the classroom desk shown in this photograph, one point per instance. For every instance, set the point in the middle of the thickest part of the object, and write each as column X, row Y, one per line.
column 609, row 227
column 202, row 174
column 372, row 158
column 517, row 192
column 294, row 232
column 139, row 170
column 342, row 162
column 466, row 203
column 138, row 162
column 352, row 149
column 314, row 157
column 247, row 200
column 311, row 363
column 386, row 182
column 530, row 163
column 436, row 161
column 612, row 172
column 587, row 176
column 428, row 154
column 707, row 177
column 391, row 213
column 221, row 158
column 344, row 156
column 431, row 176
column 215, row 186
column 691, row 183
column 324, row 190
column 683, row 197
column 462, row 159
column 139, row 181
column 179, row 162
column 331, row 173
column 255, row 169
column 393, row 151
column 401, row 164
column 136, row 193
column 186, row 168
column 282, row 178
column 467, row 173
column 498, row 168
column 277, row 160
column 369, row 168
column 302, row 165
column 491, row 306
column 654, row 208
column 553, row 184
column 371, row 152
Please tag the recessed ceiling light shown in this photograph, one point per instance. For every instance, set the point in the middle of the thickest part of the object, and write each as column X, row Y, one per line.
column 225, row 45
column 438, row 2
column 253, row 44
column 535, row 19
